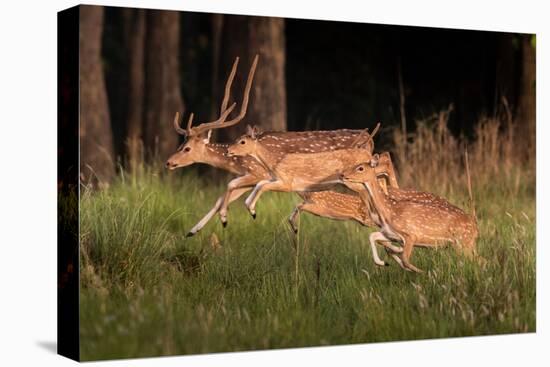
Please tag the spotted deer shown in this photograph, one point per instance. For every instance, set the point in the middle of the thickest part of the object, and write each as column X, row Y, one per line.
column 413, row 219
column 344, row 206
column 198, row 148
column 298, row 172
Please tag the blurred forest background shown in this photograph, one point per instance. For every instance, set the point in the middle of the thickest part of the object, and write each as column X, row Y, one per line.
column 139, row 67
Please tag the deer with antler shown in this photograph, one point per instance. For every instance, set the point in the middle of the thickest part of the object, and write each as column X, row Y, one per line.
column 414, row 219
column 198, row 149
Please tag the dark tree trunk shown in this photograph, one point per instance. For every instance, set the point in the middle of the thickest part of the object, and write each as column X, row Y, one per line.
column 96, row 140
column 245, row 37
column 506, row 83
column 134, row 32
column 526, row 111
column 162, row 83
column 217, row 33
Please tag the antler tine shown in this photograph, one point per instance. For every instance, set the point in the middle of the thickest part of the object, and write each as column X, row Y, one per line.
column 190, row 122
column 244, row 106
column 366, row 131
column 376, row 128
column 221, row 123
column 223, row 112
column 358, row 139
column 177, row 126
column 228, row 86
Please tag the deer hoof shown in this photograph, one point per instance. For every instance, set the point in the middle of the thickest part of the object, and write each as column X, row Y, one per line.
column 189, row 234
column 414, row 269
column 224, row 224
column 253, row 215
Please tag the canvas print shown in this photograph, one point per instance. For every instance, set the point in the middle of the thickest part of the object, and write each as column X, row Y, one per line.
column 233, row 183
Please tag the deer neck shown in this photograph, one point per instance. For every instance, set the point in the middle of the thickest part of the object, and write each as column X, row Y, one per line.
column 265, row 157
column 216, row 157
column 378, row 202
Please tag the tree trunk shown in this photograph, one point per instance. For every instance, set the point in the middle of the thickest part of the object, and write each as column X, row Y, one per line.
column 162, row 83
column 506, row 83
column 134, row 31
column 217, row 38
column 245, row 37
column 96, row 140
column 526, row 111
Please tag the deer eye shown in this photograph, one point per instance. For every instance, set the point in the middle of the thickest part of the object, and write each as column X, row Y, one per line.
column 360, row 169
column 186, row 149
column 242, row 142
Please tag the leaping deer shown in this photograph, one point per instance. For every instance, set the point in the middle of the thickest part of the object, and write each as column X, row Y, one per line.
column 198, row 149
column 299, row 172
column 430, row 221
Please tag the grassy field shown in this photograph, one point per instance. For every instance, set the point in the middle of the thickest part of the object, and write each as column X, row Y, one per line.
column 147, row 290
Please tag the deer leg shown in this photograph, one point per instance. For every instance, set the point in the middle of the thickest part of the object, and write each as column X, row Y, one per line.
column 293, row 216
column 261, row 187
column 373, row 239
column 239, row 183
column 253, row 194
column 215, row 209
column 317, row 209
column 206, row 218
column 392, row 248
column 395, row 257
column 386, row 242
column 408, row 245
column 232, row 197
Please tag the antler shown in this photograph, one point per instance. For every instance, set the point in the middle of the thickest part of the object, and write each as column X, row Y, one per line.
column 221, row 123
column 187, row 131
column 224, row 111
column 179, row 130
column 228, row 85
column 370, row 137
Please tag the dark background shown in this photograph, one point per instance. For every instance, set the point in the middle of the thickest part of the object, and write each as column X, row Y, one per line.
column 336, row 74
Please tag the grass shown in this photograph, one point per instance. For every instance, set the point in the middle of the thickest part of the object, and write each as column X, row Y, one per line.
column 146, row 290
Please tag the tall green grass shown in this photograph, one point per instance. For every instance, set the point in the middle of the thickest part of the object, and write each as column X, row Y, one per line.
column 147, row 290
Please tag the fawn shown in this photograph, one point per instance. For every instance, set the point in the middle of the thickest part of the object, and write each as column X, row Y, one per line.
column 298, row 172
column 415, row 219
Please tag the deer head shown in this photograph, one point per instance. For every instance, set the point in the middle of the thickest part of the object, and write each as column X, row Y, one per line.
column 357, row 176
column 197, row 138
column 247, row 144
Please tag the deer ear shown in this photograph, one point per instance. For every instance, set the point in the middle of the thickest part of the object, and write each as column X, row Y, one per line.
column 249, row 130
column 208, row 136
column 257, row 131
column 374, row 160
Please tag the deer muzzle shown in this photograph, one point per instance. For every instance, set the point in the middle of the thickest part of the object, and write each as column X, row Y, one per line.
column 170, row 164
